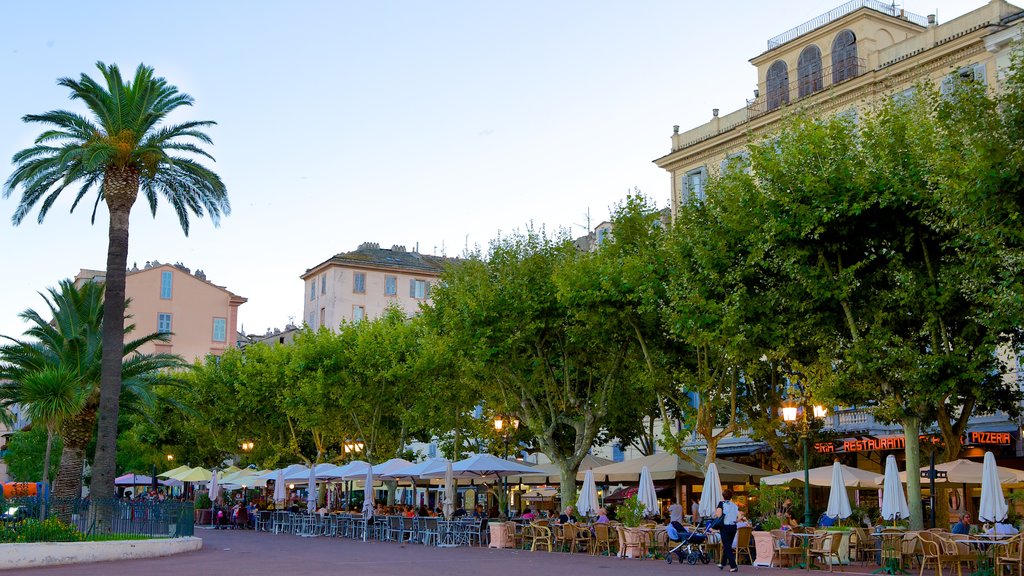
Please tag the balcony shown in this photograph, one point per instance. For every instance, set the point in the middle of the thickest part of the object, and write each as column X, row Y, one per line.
column 839, row 12
column 803, row 88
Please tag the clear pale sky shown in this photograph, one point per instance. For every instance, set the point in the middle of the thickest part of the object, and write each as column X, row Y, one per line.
column 432, row 123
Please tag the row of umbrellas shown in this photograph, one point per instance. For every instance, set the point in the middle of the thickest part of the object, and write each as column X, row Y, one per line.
column 956, row 472
column 894, row 507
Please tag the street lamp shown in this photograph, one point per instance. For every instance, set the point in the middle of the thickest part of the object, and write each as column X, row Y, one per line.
column 170, row 458
column 506, row 426
column 351, row 448
column 797, row 415
column 247, row 446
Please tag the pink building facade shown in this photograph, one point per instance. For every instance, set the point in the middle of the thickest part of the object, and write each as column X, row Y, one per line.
column 201, row 316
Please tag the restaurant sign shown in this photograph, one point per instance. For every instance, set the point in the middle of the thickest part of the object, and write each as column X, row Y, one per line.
column 885, row 443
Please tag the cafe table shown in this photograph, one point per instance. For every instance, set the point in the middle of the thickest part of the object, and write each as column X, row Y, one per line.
column 986, row 546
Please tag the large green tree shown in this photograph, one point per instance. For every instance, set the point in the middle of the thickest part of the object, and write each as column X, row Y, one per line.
column 122, row 148
column 545, row 360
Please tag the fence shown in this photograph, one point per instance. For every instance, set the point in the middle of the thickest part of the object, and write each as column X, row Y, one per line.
column 90, row 520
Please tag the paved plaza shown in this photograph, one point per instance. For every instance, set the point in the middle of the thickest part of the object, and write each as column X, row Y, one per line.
column 246, row 553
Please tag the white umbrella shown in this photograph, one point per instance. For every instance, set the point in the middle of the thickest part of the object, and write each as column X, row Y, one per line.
column 587, row 504
column 214, row 487
column 838, row 499
column 311, row 498
column 711, row 495
column 449, row 491
column 894, row 502
column 484, row 466
column 418, row 470
column 367, row 500
column 288, row 472
column 354, row 470
column 646, row 494
column 993, row 506
column 279, row 493
column 390, row 466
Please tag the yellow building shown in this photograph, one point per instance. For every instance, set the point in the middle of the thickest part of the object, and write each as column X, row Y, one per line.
column 838, row 62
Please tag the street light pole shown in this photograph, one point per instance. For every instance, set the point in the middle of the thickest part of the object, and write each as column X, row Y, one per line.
column 807, row 481
column 790, row 415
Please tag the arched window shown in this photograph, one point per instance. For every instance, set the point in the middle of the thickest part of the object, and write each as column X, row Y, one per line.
column 777, row 84
column 809, row 71
column 844, row 57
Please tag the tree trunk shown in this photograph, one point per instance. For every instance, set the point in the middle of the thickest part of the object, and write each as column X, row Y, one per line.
column 46, row 472
column 911, row 431
column 104, row 469
column 76, row 432
column 567, row 483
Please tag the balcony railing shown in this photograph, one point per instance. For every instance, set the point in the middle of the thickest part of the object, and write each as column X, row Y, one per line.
column 837, row 13
column 802, row 88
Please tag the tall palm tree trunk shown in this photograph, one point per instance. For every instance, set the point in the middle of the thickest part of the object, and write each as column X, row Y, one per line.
column 120, row 189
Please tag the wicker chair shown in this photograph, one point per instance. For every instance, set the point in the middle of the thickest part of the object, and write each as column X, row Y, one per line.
column 602, row 539
column 826, row 546
column 1011, row 554
column 743, row 537
column 935, row 550
column 540, row 535
column 865, row 547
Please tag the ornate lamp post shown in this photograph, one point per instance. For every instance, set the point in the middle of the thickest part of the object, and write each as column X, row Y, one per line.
column 506, row 427
column 351, row 447
column 795, row 414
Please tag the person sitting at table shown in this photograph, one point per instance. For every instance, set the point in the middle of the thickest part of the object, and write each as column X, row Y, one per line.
column 478, row 512
column 602, row 517
column 530, row 514
column 963, row 526
column 790, row 521
column 459, row 512
column 566, row 516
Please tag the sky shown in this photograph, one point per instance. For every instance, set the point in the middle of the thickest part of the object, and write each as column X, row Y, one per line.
column 432, row 124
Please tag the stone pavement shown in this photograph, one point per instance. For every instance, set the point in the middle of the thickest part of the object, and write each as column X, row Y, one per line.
column 247, row 553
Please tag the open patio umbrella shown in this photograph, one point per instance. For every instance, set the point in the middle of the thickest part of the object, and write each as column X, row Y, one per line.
column 646, row 494
column 669, row 466
column 368, row 499
column 354, row 470
column 822, row 476
column 838, row 499
column 384, row 468
column 449, row 491
column 550, row 473
column 196, row 474
column 484, row 466
column 311, row 492
column 960, row 472
column 418, row 470
column 711, row 495
column 288, row 471
column 587, row 503
column 279, row 494
column 993, row 506
column 170, row 473
column 894, row 502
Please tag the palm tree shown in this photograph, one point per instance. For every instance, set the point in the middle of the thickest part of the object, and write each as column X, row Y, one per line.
column 121, row 149
column 71, row 341
column 49, row 397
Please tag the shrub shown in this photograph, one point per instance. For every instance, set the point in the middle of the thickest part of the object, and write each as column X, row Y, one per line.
column 32, row 530
column 631, row 512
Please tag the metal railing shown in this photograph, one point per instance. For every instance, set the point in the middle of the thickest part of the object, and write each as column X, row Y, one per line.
column 78, row 520
column 804, row 87
column 837, row 13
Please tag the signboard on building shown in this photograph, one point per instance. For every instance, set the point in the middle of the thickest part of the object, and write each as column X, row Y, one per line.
column 889, row 443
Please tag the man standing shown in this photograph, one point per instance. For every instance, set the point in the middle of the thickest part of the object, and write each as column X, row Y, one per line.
column 675, row 512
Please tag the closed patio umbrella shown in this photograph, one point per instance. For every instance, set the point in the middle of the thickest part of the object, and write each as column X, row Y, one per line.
column 368, row 498
column 711, row 495
column 894, row 502
column 311, row 492
column 646, row 494
column 279, row 494
column 587, row 503
column 993, row 506
column 838, row 499
column 214, row 486
column 449, row 491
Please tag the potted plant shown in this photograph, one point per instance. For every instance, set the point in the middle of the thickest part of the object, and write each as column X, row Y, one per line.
column 631, row 513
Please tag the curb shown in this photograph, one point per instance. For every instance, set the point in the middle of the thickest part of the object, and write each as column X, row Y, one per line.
column 60, row 553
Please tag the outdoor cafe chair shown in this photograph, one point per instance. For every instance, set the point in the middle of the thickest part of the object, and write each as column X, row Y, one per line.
column 1010, row 554
column 743, row 537
column 394, row 528
column 344, row 525
column 602, row 540
column 411, row 528
column 865, row 548
column 429, row 531
column 784, row 548
column 282, row 521
column 826, row 546
column 566, row 538
column 938, row 552
column 262, row 522
column 540, row 536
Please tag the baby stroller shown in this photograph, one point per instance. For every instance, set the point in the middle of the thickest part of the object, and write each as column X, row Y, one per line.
column 690, row 545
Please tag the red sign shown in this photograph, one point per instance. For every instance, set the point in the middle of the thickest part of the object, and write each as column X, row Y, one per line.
column 885, row 443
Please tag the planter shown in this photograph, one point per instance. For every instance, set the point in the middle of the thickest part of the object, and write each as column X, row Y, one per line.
column 635, row 541
column 764, row 547
column 202, row 516
column 502, row 535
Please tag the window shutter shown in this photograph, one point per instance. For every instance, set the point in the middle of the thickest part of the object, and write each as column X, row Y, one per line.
column 412, row 288
column 426, row 290
column 979, row 73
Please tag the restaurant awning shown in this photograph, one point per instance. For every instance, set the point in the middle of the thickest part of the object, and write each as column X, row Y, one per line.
column 963, row 471
column 621, row 494
column 668, row 465
column 550, row 474
column 855, row 477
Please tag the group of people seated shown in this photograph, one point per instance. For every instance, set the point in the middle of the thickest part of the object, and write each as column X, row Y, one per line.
column 964, row 526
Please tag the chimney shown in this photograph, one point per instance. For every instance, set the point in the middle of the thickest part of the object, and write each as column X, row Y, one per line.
column 757, row 93
column 675, row 129
column 714, row 112
column 932, row 20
